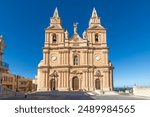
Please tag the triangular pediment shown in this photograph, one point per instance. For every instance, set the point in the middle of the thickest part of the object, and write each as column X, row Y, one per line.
column 96, row 27
column 75, row 38
column 54, row 27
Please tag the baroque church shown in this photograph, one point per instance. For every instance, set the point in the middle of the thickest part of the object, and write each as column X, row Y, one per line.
column 75, row 63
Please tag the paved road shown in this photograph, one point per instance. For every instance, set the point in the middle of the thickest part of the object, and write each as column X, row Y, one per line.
column 119, row 97
column 57, row 95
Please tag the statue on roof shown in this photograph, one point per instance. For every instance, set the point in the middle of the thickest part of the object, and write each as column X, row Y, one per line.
column 66, row 34
column 84, row 35
column 75, row 28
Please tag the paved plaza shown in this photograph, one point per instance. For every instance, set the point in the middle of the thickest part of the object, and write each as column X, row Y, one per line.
column 72, row 95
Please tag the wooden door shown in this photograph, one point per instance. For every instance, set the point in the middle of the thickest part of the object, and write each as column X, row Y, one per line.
column 97, row 84
column 75, row 83
column 52, row 84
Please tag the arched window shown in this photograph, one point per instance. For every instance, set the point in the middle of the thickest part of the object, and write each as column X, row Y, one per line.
column 54, row 38
column 96, row 37
column 75, row 60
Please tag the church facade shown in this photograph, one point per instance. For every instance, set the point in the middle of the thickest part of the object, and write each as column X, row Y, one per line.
column 75, row 63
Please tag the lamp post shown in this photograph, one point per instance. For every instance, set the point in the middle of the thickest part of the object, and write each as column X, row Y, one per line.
column 17, row 88
column 1, row 80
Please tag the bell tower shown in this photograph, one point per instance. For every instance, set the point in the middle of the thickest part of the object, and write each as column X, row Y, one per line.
column 96, row 33
column 54, row 34
column 55, row 37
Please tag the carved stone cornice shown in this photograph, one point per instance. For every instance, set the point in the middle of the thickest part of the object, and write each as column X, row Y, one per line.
column 105, row 52
column 76, row 72
column 84, row 51
column 68, row 47
column 76, row 51
column 76, row 67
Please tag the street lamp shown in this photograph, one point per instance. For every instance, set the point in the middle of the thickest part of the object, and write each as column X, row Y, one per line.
column 0, row 77
column 17, row 88
column 1, row 80
column 1, row 84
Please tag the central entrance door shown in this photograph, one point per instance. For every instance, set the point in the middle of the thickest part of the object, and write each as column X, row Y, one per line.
column 75, row 83
column 97, row 84
column 52, row 84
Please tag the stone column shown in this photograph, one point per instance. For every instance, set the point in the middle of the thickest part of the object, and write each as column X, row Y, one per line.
column 61, row 79
column 93, row 78
column 44, row 57
column 105, row 53
column 47, row 39
column 66, row 77
column 47, row 80
column 106, row 80
column 58, row 80
column 66, row 57
column 62, row 58
column 91, row 84
column 89, row 58
column 111, row 79
column 92, row 58
column 70, row 83
column 85, row 79
column 80, row 85
column 69, row 79
column 88, row 79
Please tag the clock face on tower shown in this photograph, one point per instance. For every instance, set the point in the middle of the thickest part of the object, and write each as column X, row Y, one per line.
column 97, row 57
column 53, row 58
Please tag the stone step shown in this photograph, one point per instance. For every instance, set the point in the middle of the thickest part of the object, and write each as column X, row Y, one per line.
column 100, row 92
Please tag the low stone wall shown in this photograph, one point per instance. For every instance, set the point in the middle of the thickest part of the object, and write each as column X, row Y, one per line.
column 5, row 92
column 140, row 91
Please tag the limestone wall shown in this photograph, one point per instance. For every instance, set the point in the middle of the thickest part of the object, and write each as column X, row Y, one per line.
column 140, row 91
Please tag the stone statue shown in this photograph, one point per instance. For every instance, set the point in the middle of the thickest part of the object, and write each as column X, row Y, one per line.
column 75, row 28
column 66, row 34
column 84, row 35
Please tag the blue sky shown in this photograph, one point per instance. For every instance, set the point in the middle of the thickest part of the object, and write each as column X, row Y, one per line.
column 22, row 25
